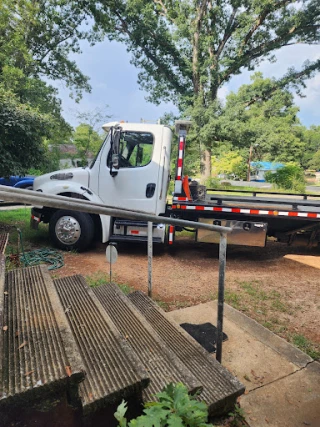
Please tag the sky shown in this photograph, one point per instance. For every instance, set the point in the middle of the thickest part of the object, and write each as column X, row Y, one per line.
column 116, row 92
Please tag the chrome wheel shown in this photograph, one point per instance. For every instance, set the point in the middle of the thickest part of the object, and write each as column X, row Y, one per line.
column 68, row 230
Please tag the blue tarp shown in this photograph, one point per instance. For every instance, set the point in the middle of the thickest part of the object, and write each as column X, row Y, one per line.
column 266, row 166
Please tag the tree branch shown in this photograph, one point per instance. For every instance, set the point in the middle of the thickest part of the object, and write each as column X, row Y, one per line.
column 157, row 62
column 265, row 48
column 285, row 81
column 261, row 18
column 228, row 33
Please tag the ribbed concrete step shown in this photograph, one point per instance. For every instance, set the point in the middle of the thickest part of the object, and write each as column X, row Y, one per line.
column 3, row 242
column 2, row 295
column 113, row 370
column 39, row 358
column 161, row 363
column 220, row 388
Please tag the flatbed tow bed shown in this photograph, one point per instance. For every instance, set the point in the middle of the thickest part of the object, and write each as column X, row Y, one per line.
column 290, row 218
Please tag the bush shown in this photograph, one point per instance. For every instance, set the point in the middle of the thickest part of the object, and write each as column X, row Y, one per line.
column 174, row 407
column 212, row 183
column 289, row 177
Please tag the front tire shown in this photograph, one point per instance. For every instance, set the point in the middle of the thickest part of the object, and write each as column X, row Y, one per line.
column 71, row 230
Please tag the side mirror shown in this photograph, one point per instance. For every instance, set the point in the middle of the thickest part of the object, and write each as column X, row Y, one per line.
column 115, row 161
column 115, row 145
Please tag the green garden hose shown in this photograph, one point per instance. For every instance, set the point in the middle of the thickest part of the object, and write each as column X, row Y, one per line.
column 40, row 256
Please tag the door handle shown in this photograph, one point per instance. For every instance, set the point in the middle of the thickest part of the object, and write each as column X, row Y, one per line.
column 150, row 190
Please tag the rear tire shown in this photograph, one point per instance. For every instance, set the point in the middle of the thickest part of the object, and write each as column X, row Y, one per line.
column 71, row 230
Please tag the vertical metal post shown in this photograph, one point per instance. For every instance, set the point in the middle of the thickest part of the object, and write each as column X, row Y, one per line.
column 222, row 269
column 150, row 252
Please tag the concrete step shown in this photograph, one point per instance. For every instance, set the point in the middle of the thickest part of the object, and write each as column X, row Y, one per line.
column 113, row 370
column 3, row 242
column 220, row 388
column 39, row 358
column 161, row 363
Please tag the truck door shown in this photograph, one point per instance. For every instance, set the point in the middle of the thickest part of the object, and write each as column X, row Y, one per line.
column 135, row 184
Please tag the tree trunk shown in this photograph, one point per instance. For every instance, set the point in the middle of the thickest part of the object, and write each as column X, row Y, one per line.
column 206, row 165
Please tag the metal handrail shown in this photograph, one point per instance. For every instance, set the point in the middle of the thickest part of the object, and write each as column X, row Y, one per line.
column 48, row 200
column 53, row 201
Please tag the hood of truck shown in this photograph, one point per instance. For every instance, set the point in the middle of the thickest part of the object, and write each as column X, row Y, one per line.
column 78, row 175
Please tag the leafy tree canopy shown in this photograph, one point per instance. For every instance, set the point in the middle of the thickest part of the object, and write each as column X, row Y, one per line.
column 87, row 140
column 21, row 133
column 231, row 164
column 270, row 126
column 187, row 49
column 36, row 39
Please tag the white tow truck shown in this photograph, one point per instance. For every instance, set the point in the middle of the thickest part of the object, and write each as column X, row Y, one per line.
column 132, row 171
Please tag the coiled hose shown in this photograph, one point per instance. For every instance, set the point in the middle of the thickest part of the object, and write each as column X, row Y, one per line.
column 40, row 256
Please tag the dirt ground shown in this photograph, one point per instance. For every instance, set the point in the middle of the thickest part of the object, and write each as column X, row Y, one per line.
column 279, row 286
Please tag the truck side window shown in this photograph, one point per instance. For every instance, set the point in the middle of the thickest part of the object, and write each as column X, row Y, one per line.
column 135, row 149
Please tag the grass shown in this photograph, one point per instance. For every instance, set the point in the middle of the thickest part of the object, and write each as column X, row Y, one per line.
column 101, row 278
column 271, row 310
column 12, row 220
column 305, row 345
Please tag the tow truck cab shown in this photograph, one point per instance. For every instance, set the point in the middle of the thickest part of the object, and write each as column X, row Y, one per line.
column 130, row 171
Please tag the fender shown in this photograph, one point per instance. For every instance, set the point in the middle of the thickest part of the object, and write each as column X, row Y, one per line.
column 26, row 182
column 58, row 188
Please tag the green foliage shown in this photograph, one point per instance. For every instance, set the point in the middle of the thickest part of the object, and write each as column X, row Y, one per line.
column 311, row 138
column 314, row 163
column 188, row 49
column 21, row 131
column 238, row 416
column 36, row 38
column 289, row 177
column 231, row 163
column 87, row 140
column 173, row 408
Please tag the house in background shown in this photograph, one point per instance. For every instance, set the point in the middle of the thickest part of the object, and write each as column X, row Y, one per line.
column 258, row 170
column 69, row 156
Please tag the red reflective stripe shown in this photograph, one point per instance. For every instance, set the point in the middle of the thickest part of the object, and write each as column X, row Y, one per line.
column 134, row 232
column 181, row 145
column 245, row 211
column 171, row 232
column 179, row 163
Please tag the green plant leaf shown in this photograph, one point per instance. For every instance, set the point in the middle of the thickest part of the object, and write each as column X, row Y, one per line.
column 120, row 414
column 175, row 421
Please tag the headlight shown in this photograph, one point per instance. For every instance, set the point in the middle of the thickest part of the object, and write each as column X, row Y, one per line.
column 62, row 176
